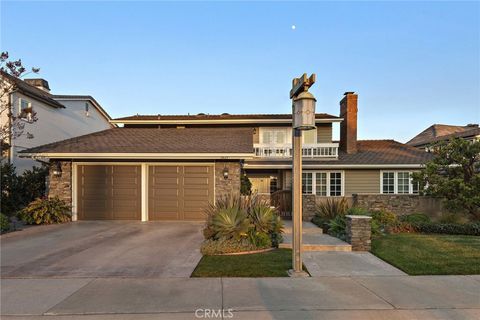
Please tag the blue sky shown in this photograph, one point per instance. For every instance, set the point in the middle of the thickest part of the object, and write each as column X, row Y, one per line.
column 412, row 63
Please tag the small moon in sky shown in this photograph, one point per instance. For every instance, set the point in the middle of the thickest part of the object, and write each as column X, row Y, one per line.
column 294, row 27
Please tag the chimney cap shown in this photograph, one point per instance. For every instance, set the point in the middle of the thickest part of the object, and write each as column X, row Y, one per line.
column 349, row 92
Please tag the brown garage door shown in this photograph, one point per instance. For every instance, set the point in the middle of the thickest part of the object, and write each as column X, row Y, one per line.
column 109, row 192
column 179, row 192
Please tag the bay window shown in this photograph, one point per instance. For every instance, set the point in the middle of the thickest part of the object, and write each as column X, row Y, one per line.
column 326, row 184
column 398, row 182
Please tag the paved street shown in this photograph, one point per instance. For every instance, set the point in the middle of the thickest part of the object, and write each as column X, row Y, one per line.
column 374, row 297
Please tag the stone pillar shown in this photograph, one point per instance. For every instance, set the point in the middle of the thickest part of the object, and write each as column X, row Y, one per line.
column 229, row 186
column 61, row 186
column 359, row 232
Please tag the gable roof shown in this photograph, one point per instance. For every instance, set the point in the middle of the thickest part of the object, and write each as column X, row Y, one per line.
column 31, row 91
column 218, row 118
column 439, row 132
column 154, row 141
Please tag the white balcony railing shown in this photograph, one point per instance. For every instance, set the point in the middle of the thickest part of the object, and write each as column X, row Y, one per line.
column 319, row 150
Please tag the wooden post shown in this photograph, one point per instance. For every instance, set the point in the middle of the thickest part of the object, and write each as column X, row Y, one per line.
column 297, row 202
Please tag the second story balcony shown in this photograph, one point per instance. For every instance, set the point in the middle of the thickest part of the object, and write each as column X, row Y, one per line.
column 318, row 150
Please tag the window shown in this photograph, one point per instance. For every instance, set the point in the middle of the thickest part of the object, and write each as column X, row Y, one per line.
column 335, row 184
column 398, row 182
column 25, row 109
column 87, row 109
column 273, row 135
column 307, row 182
column 321, row 184
column 325, row 184
column 388, row 180
column 403, row 182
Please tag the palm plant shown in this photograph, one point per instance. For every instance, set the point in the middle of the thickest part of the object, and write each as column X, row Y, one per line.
column 331, row 207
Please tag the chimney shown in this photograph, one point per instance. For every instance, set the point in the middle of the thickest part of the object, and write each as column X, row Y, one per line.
column 41, row 84
column 348, row 127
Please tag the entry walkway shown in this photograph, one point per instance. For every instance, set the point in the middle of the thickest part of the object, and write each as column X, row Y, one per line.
column 313, row 239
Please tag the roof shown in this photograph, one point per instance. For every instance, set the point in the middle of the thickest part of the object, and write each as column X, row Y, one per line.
column 32, row 91
column 83, row 97
column 439, row 132
column 215, row 117
column 154, row 140
column 370, row 152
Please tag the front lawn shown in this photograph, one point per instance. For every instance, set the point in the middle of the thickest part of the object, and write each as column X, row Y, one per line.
column 268, row 264
column 424, row 254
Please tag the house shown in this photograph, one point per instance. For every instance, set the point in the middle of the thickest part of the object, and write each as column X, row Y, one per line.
column 168, row 167
column 443, row 132
column 58, row 117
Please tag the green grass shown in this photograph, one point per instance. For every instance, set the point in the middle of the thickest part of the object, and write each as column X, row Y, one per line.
column 268, row 264
column 423, row 254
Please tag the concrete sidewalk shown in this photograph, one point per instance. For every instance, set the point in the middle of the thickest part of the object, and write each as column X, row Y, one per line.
column 379, row 297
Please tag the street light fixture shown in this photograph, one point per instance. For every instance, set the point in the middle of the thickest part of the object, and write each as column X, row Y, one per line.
column 303, row 118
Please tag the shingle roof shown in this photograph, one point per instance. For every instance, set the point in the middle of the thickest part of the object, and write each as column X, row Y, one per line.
column 32, row 91
column 224, row 116
column 438, row 132
column 370, row 152
column 153, row 140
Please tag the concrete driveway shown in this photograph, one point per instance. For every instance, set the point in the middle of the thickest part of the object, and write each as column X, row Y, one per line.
column 102, row 249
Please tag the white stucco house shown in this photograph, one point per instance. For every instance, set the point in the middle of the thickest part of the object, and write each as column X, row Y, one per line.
column 59, row 117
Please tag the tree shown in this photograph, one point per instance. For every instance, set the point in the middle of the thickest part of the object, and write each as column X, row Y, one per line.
column 12, row 125
column 454, row 175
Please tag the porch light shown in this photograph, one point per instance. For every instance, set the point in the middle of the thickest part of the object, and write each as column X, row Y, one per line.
column 304, row 111
column 225, row 173
column 57, row 170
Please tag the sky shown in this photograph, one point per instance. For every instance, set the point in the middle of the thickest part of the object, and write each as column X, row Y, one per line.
column 412, row 64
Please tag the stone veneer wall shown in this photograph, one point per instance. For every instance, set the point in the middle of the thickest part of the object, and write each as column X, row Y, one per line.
column 400, row 204
column 230, row 186
column 309, row 204
column 359, row 232
column 61, row 186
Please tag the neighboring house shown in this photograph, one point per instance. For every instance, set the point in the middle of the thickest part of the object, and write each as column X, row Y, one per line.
column 59, row 117
column 443, row 132
column 165, row 167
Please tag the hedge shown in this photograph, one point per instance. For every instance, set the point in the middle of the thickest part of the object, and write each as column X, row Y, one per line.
column 472, row 229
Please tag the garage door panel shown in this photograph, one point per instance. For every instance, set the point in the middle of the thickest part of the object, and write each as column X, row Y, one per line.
column 109, row 192
column 179, row 192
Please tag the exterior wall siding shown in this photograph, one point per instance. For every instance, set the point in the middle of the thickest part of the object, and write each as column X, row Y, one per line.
column 324, row 132
column 54, row 125
column 362, row 181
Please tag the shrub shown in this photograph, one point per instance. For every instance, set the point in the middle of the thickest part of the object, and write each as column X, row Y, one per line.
column 415, row 218
column 402, row 227
column 46, row 211
column 337, row 227
column 4, row 223
column 230, row 223
column 19, row 191
column 331, row 207
column 455, row 218
column 221, row 246
column 321, row 222
column 245, row 185
column 260, row 240
column 384, row 218
column 472, row 229
column 358, row 211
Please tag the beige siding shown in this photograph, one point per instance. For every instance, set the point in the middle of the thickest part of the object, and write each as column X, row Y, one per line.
column 362, row 181
column 324, row 133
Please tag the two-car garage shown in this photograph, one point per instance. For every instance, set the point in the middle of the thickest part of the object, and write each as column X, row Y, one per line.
column 164, row 191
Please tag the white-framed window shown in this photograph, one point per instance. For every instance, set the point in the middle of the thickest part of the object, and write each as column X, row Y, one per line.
column 24, row 108
column 397, row 182
column 274, row 136
column 307, row 182
column 323, row 183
